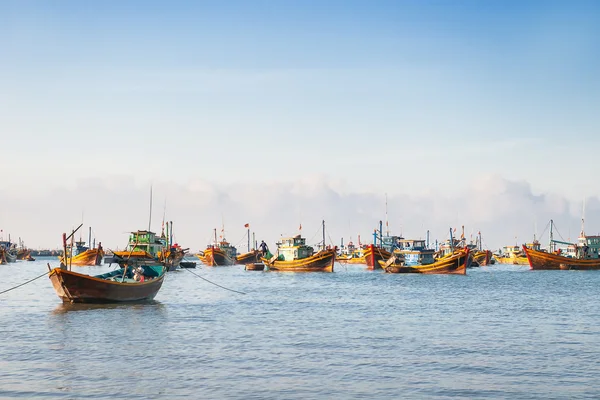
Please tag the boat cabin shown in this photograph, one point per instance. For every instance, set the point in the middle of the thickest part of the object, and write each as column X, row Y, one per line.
column 415, row 252
column 145, row 241
column 588, row 247
column 227, row 248
column 294, row 248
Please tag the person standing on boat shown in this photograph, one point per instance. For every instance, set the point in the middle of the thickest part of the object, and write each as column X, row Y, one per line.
column 263, row 248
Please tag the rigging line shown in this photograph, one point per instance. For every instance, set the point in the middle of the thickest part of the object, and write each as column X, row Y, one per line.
column 557, row 231
column 23, row 284
column 544, row 231
column 216, row 284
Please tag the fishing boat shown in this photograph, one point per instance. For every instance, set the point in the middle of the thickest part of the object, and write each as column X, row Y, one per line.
column 293, row 254
column 9, row 251
column 23, row 253
column 80, row 254
column 414, row 252
column 130, row 283
column 135, row 281
column 514, row 255
column 374, row 254
column 482, row 257
column 219, row 253
column 583, row 255
column 541, row 260
column 456, row 263
column 250, row 257
column 145, row 246
column 352, row 254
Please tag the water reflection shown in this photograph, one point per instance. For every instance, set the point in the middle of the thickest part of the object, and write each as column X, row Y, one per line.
column 63, row 308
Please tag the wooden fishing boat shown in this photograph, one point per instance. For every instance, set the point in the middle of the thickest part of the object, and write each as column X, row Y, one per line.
column 322, row 261
column 374, row 254
column 413, row 252
column 121, row 285
column 248, row 258
column 23, row 254
column 80, row 254
column 83, row 255
column 512, row 255
column 217, row 256
column 541, row 260
column 294, row 255
column 455, row 264
column 9, row 251
column 482, row 257
column 145, row 246
column 352, row 254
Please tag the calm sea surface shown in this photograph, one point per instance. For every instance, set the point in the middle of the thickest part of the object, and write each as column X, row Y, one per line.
column 499, row 332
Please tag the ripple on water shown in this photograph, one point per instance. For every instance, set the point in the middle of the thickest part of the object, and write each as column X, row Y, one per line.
column 496, row 333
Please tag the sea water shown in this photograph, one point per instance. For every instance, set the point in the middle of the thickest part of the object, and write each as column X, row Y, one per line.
column 498, row 332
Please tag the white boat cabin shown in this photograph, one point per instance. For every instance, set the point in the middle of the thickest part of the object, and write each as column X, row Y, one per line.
column 294, row 248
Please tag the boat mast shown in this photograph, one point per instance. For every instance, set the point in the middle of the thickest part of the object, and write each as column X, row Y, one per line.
column 216, row 236
column 451, row 240
column 550, row 249
column 381, row 233
column 387, row 225
column 323, row 234
column 427, row 238
column 480, row 242
column 90, row 238
column 248, row 238
column 583, row 219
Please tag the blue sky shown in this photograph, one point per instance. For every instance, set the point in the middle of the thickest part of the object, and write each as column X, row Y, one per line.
column 403, row 97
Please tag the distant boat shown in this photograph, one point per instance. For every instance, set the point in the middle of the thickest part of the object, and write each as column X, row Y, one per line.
column 374, row 254
column 146, row 246
column 482, row 257
column 131, row 283
column 250, row 257
column 414, row 252
column 219, row 253
column 352, row 255
column 454, row 264
column 295, row 256
column 81, row 254
column 515, row 255
column 9, row 251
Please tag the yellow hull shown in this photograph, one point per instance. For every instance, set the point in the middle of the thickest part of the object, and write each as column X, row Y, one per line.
column 482, row 258
column 457, row 263
column 321, row 262
column 88, row 257
column 512, row 260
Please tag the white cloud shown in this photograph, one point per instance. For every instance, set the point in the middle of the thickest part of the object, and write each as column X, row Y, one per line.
column 501, row 209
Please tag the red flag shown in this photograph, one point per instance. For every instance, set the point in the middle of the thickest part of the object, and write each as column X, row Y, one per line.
column 247, row 226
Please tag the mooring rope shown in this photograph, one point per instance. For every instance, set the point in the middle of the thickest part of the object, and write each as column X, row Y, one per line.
column 23, row 284
column 216, row 284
